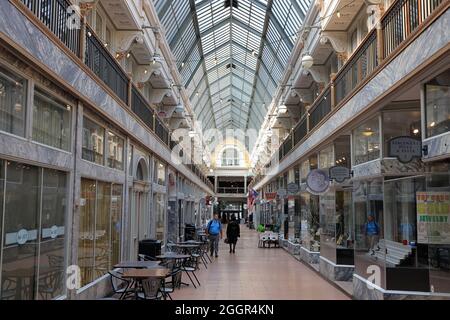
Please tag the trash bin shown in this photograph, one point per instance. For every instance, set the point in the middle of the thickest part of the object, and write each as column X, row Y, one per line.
column 150, row 247
column 189, row 232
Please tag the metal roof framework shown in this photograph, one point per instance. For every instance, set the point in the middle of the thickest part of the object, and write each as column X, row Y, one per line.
column 231, row 54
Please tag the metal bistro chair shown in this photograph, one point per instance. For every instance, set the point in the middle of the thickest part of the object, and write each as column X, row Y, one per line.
column 144, row 257
column 151, row 289
column 191, row 266
column 200, row 254
column 263, row 239
column 120, row 285
column 174, row 277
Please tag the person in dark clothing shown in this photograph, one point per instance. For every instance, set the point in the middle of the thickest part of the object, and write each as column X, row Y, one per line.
column 233, row 233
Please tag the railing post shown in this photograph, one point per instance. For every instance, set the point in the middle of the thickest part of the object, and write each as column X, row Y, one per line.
column 380, row 38
column 130, row 92
column 332, row 93
column 380, row 44
column 82, row 53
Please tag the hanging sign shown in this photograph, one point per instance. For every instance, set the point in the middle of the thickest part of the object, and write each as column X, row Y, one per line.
column 405, row 149
column 292, row 188
column 282, row 193
column 317, row 182
column 270, row 195
column 339, row 174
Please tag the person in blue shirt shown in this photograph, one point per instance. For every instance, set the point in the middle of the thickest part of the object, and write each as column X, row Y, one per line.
column 372, row 231
column 214, row 231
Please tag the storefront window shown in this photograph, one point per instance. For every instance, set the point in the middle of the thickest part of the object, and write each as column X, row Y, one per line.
column 13, row 92
column 366, row 142
column 304, row 170
column 326, row 158
column 368, row 213
column 93, row 141
column 310, row 222
column 398, row 124
column 437, row 104
column 160, row 173
column 328, row 225
column 100, row 224
column 434, row 225
column 51, row 122
column 160, row 213
column 115, row 151
column 33, row 224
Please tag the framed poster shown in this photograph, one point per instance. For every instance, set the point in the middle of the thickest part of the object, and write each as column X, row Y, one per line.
column 433, row 217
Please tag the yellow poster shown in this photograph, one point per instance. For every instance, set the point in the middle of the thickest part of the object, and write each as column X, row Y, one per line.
column 433, row 217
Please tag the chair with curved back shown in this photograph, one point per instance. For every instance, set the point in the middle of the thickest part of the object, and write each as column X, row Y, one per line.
column 120, row 285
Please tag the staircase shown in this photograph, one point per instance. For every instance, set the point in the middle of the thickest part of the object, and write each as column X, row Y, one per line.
column 392, row 252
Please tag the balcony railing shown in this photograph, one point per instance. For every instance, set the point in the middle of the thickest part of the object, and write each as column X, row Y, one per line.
column 55, row 14
column 105, row 66
column 300, row 130
column 360, row 65
column 401, row 19
column 161, row 131
column 231, row 190
column 320, row 108
column 141, row 108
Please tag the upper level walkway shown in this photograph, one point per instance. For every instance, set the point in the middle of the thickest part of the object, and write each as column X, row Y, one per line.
column 258, row 274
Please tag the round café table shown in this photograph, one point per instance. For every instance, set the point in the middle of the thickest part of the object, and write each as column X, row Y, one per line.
column 178, row 258
column 137, row 275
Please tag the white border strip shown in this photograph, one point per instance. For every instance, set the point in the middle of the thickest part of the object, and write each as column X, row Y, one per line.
column 411, row 293
column 337, row 265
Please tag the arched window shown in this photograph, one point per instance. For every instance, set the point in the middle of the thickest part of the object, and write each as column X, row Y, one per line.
column 231, row 156
column 141, row 171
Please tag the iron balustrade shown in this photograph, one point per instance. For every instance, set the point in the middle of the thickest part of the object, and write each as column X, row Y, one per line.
column 402, row 18
column 161, row 131
column 103, row 64
column 320, row 108
column 357, row 68
column 58, row 17
column 231, row 190
column 141, row 108
column 300, row 130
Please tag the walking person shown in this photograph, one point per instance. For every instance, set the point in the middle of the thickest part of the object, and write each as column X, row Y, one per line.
column 214, row 232
column 233, row 233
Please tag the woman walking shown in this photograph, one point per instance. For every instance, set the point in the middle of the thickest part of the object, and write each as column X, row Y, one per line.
column 233, row 233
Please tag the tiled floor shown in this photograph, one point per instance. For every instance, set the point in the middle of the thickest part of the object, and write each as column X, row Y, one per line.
column 257, row 274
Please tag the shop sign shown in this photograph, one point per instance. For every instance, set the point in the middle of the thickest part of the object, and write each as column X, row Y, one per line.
column 282, row 193
column 339, row 174
column 292, row 188
column 270, row 196
column 433, row 217
column 317, row 182
column 405, row 149
column 22, row 236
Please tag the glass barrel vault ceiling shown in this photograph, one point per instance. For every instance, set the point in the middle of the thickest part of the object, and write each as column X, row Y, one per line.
column 231, row 54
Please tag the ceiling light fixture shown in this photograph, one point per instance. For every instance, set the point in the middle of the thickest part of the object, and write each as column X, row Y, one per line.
column 368, row 132
column 307, row 61
column 282, row 109
column 338, row 14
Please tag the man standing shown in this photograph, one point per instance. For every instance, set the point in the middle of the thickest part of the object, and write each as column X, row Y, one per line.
column 372, row 231
column 214, row 231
